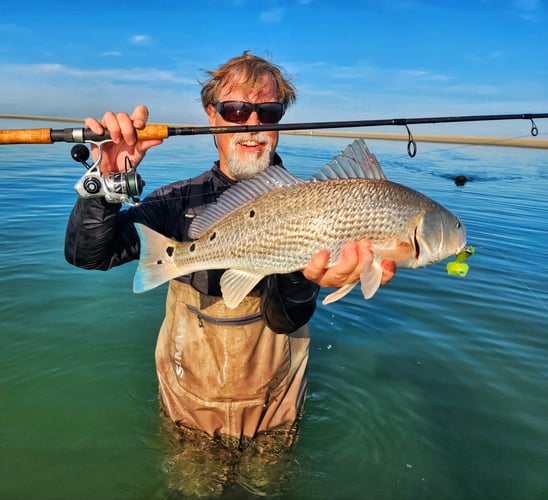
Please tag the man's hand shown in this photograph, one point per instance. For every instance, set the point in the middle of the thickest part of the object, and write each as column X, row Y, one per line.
column 356, row 256
column 124, row 140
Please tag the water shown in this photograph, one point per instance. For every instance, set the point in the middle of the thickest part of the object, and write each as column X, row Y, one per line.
column 436, row 388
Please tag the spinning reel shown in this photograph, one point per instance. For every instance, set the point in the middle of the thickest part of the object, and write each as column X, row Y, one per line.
column 117, row 187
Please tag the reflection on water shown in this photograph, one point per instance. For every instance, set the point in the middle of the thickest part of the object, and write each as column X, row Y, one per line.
column 435, row 388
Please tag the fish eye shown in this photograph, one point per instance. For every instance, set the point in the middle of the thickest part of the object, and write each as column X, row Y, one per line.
column 458, row 224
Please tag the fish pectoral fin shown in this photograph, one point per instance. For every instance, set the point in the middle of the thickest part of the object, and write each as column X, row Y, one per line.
column 338, row 294
column 371, row 279
column 156, row 264
column 236, row 285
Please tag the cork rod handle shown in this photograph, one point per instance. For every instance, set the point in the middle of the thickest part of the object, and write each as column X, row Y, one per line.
column 48, row 135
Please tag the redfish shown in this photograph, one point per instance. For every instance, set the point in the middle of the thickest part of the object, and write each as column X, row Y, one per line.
column 275, row 223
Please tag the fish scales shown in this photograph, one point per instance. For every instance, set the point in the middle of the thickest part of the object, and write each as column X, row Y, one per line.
column 282, row 230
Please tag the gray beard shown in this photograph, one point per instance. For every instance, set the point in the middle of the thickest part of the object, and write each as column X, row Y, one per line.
column 251, row 164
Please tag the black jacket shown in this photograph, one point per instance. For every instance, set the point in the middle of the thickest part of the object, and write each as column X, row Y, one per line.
column 100, row 236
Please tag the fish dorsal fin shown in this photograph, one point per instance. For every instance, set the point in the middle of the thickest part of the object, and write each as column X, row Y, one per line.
column 274, row 177
column 355, row 162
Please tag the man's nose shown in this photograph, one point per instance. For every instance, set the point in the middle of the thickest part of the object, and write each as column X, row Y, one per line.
column 253, row 119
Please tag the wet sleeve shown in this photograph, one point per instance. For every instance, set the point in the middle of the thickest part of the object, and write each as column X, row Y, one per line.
column 288, row 301
column 99, row 235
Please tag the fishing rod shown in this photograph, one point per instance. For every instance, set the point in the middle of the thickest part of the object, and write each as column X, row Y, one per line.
column 160, row 131
column 126, row 187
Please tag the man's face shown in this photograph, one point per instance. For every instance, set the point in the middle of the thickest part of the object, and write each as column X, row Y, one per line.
column 243, row 155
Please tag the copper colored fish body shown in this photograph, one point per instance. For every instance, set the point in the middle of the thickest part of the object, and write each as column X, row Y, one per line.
column 276, row 223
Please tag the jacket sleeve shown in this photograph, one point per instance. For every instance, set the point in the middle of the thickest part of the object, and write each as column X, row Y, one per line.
column 99, row 236
column 288, row 301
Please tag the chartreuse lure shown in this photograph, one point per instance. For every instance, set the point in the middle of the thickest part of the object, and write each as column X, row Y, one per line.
column 458, row 267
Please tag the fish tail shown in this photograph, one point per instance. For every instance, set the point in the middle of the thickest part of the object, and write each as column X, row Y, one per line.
column 156, row 264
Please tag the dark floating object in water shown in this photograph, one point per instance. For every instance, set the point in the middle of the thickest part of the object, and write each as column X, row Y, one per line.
column 460, row 180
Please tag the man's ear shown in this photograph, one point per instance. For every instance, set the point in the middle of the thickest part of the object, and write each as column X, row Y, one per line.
column 211, row 114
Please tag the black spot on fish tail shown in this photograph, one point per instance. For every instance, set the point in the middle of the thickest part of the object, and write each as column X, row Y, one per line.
column 170, row 250
column 192, row 247
column 213, row 236
column 252, row 213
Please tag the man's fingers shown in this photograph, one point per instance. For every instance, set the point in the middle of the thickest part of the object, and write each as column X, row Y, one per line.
column 388, row 271
column 348, row 269
column 139, row 116
column 110, row 122
column 94, row 125
column 127, row 129
column 316, row 268
column 356, row 257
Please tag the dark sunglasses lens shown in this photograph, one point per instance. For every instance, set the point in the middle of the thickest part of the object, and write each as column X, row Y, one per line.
column 239, row 111
column 270, row 112
column 236, row 112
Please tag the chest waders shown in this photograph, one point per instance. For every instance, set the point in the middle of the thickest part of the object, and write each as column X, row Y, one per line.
column 223, row 371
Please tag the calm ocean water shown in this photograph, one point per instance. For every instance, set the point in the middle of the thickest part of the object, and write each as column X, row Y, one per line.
column 436, row 388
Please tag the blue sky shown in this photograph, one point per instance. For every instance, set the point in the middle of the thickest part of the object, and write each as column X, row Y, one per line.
column 351, row 60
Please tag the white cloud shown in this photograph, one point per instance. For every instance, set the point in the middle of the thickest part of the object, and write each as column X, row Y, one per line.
column 483, row 58
column 54, row 70
column 529, row 10
column 422, row 75
column 140, row 39
column 60, row 90
column 272, row 16
column 528, row 4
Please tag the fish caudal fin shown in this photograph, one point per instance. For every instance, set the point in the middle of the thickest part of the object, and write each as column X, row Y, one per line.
column 370, row 280
column 156, row 264
column 235, row 285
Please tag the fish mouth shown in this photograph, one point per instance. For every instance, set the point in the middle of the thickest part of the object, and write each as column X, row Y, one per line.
column 468, row 249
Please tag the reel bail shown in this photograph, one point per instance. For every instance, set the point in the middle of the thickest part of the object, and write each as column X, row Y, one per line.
column 116, row 187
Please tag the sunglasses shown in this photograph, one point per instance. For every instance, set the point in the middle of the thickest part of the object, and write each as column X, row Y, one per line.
column 240, row 111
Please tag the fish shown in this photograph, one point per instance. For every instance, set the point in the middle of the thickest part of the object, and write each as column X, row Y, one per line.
column 276, row 222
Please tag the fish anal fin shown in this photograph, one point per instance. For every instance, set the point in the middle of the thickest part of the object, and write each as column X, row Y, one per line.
column 236, row 285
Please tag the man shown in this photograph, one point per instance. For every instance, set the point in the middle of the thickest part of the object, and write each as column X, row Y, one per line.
column 234, row 374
